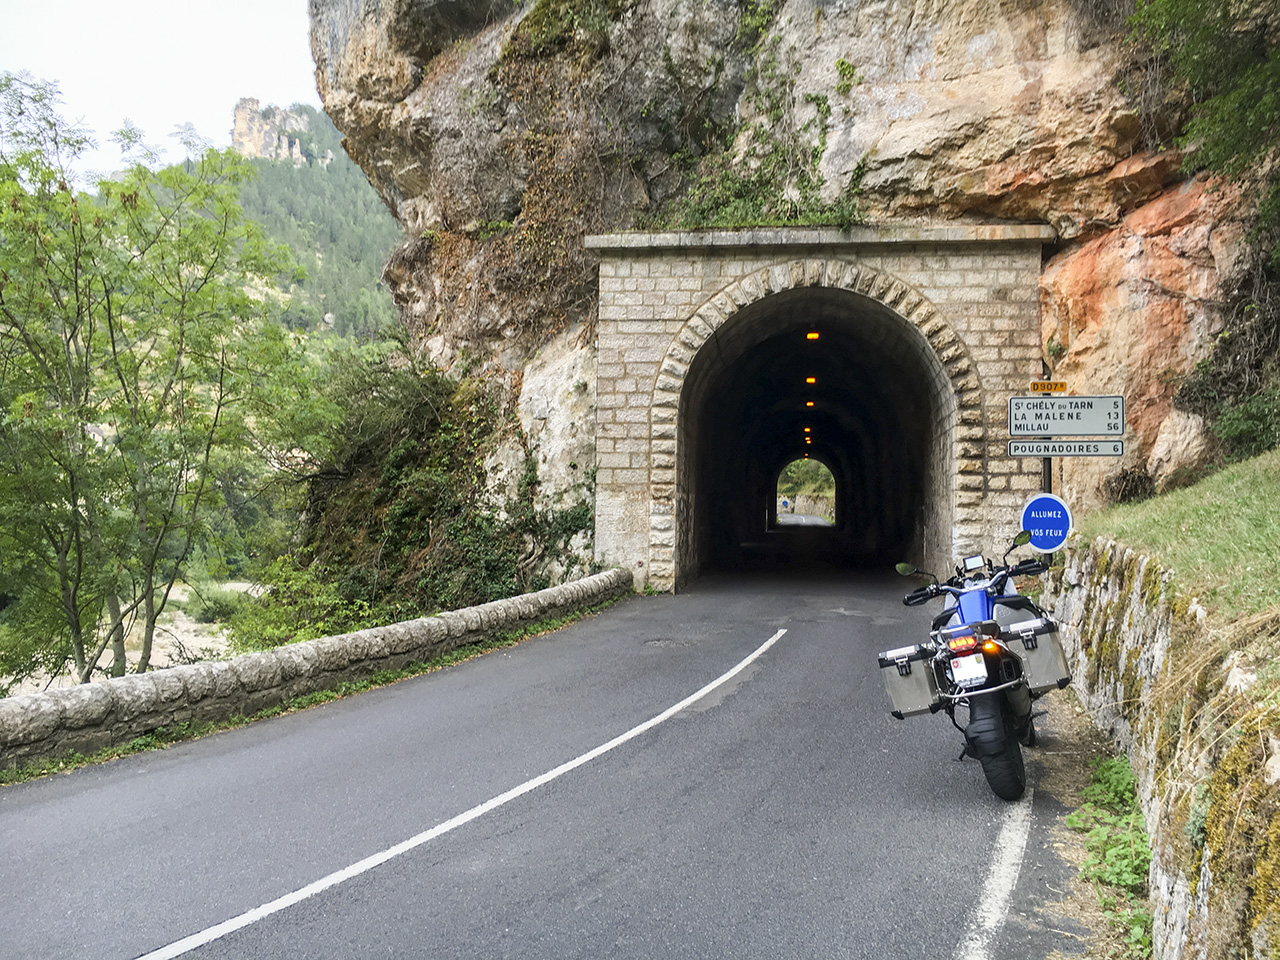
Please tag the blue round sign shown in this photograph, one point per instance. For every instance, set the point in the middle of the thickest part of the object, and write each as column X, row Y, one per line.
column 1049, row 520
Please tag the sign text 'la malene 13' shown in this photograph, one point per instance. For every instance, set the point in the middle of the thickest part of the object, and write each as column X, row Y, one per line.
column 1054, row 416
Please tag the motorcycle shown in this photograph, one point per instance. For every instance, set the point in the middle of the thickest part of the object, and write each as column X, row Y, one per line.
column 992, row 651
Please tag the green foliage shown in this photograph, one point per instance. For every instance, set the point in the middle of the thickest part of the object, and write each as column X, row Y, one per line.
column 1118, row 851
column 336, row 226
column 1226, row 56
column 132, row 355
column 400, row 522
column 1217, row 534
column 1225, row 52
column 1250, row 426
column 554, row 25
column 769, row 172
column 214, row 604
column 848, row 76
column 806, row 477
column 756, row 18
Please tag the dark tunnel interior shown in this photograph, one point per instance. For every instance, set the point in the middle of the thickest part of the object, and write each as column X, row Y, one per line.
column 878, row 409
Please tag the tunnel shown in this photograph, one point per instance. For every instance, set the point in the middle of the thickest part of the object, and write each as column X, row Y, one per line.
column 837, row 376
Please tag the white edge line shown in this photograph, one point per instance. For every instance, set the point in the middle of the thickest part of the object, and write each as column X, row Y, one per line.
column 993, row 903
column 208, row 935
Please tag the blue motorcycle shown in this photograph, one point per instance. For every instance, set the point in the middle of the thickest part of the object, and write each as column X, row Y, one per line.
column 991, row 651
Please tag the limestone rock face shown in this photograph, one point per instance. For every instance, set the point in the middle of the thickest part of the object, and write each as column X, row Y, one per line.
column 265, row 133
column 1130, row 312
column 501, row 135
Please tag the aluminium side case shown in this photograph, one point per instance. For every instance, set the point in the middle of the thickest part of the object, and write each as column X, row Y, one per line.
column 910, row 681
column 1033, row 635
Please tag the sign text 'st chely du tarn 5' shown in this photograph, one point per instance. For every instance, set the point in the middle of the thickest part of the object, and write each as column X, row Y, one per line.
column 1066, row 448
column 1057, row 416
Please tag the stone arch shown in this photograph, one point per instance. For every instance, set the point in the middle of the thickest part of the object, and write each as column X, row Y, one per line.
column 957, row 389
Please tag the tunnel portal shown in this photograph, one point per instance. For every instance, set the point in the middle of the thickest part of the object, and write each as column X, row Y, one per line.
column 706, row 368
column 821, row 372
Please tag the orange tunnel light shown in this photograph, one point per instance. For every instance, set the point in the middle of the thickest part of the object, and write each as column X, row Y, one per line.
column 811, row 335
column 810, row 379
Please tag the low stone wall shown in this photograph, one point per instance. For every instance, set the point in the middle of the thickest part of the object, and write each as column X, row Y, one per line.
column 1175, row 694
column 96, row 715
column 814, row 506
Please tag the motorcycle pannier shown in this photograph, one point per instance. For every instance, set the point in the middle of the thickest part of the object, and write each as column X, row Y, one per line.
column 1033, row 635
column 909, row 680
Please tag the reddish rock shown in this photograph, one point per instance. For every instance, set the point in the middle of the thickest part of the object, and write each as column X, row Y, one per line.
column 1130, row 312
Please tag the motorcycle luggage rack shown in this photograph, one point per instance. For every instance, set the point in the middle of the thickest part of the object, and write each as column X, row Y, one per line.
column 980, row 691
column 1027, row 631
column 983, row 628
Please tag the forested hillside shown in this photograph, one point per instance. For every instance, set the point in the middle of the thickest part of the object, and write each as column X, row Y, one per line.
column 338, row 229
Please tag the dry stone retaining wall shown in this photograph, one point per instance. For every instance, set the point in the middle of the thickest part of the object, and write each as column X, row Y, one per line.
column 96, row 715
column 1177, row 700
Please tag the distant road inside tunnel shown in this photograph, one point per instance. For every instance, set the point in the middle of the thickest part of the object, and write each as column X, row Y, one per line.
column 802, row 520
column 780, row 813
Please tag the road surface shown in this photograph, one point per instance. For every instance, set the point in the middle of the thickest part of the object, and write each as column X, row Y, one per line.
column 781, row 814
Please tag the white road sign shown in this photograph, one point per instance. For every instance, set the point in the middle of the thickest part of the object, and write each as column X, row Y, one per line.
column 1066, row 448
column 1058, row 416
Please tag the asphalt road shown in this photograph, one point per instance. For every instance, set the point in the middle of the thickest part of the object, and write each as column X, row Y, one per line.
column 802, row 520
column 785, row 814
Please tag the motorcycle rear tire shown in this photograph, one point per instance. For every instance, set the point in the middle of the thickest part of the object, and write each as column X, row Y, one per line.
column 994, row 741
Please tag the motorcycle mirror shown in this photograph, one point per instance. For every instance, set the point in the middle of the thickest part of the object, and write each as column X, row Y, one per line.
column 1021, row 538
column 906, row 569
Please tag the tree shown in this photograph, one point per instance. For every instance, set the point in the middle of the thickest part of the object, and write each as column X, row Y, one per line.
column 136, row 345
column 1227, row 53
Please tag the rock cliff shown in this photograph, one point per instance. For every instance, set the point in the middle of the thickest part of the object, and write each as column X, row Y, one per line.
column 271, row 133
column 500, row 135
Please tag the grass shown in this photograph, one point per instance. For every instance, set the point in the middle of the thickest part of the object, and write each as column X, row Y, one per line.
column 1220, row 536
column 1118, row 853
column 182, row 732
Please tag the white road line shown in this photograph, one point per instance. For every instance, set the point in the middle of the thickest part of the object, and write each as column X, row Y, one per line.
column 993, row 903
column 187, row 944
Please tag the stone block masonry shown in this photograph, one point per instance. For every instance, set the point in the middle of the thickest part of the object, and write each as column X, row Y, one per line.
column 970, row 292
column 93, row 716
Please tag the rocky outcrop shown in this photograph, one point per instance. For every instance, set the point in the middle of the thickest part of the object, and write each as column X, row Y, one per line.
column 271, row 133
column 1130, row 312
column 500, row 135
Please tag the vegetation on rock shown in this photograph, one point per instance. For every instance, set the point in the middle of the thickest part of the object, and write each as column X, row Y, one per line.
column 1226, row 57
column 399, row 522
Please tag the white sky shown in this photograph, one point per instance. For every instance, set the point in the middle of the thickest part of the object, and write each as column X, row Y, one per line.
column 160, row 63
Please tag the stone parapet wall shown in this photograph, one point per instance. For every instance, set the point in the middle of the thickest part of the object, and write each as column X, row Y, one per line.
column 1175, row 695
column 96, row 715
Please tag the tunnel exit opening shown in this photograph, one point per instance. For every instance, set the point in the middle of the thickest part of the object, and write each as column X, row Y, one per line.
column 804, row 493
column 829, row 374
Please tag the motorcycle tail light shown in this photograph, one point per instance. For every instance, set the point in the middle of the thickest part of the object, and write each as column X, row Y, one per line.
column 962, row 644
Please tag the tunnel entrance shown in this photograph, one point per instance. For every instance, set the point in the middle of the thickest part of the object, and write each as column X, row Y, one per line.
column 702, row 357
column 828, row 373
